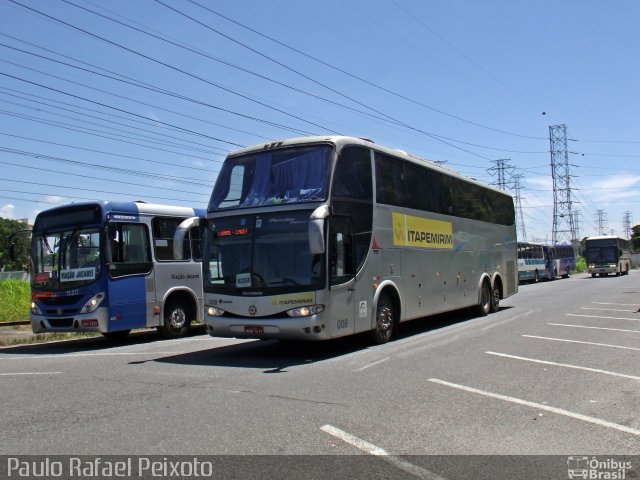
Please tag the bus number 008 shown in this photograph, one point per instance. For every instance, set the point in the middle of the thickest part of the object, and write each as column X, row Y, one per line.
column 344, row 323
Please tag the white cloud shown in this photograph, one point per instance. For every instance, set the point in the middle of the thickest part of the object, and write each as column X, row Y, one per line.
column 55, row 199
column 7, row 211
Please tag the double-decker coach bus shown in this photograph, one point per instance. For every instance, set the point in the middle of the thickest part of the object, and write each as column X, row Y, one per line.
column 607, row 254
column 109, row 267
column 321, row 237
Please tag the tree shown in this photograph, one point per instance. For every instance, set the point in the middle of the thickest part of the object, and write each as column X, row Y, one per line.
column 21, row 242
column 635, row 238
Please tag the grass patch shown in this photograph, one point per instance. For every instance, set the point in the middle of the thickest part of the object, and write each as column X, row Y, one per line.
column 15, row 297
column 44, row 338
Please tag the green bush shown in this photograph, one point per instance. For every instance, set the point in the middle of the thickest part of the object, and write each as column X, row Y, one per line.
column 581, row 265
column 15, row 297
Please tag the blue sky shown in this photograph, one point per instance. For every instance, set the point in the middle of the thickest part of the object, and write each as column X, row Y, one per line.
column 91, row 108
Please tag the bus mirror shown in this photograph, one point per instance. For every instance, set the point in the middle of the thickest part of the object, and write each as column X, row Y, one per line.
column 112, row 230
column 316, row 229
column 181, row 233
column 12, row 252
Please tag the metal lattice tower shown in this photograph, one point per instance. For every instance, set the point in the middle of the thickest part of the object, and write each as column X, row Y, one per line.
column 563, row 230
column 517, row 188
column 626, row 225
column 503, row 171
column 601, row 221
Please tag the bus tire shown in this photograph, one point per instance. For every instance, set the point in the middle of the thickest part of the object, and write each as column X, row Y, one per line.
column 385, row 321
column 484, row 307
column 176, row 321
column 495, row 299
column 118, row 336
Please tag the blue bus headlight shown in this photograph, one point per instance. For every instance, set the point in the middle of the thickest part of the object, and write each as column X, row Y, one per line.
column 214, row 311
column 93, row 303
column 305, row 311
column 35, row 309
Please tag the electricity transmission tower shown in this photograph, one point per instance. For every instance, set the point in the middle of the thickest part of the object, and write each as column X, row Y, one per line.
column 517, row 188
column 503, row 171
column 626, row 225
column 601, row 221
column 563, row 230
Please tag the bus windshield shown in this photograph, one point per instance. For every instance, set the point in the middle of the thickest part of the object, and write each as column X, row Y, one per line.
column 273, row 177
column 602, row 254
column 266, row 252
column 66, row 259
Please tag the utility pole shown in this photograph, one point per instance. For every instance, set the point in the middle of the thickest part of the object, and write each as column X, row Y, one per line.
column 517, row 188
column 626, row 225
column 563, row 229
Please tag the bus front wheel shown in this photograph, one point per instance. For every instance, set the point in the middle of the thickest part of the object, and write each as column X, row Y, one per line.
column 176, row 321
column 485, row 300
column 385, row 319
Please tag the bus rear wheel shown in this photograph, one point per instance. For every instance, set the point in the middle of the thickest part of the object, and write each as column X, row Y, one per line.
column 385, row 319
column 176, row 321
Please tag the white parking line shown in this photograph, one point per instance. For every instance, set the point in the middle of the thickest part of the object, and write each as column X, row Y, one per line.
column 539, row 406
column 593, row 328
column 618, row 304
column 105, row 354
column 606, row 318
column 566, row 365
column 608, row 309
column 371, row 449
column 585, row 343
column 372, row 364
column 28, row 373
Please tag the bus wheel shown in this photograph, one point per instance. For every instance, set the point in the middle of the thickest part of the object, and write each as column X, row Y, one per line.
column 176, row 321
column 495, row 299
column 485, row 300
column 383, row 329
column 116, row 336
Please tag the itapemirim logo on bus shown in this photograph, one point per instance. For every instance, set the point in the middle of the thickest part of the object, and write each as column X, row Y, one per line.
column 411, row 231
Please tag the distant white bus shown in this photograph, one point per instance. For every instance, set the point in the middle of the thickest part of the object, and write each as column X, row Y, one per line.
column 607, row 254
column 531, row 262
column 321, row 237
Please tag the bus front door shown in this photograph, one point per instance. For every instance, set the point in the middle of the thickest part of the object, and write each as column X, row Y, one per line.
column 341, row 277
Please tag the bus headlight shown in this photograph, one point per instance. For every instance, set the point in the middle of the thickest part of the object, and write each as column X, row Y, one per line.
column 93, row 303
column 305, row 311
column 35, row 309
column 214, row 311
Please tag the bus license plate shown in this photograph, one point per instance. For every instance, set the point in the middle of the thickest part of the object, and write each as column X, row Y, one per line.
column 257, row 330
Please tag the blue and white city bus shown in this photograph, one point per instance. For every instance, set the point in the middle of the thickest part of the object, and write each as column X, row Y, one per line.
column 321, row 237
column 109, row 267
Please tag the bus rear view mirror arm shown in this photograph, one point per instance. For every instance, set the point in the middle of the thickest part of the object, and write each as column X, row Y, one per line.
column 181, row 233
column 316, row 229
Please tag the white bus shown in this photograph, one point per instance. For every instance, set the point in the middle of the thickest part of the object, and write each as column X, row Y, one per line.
column 531, row 262
column 321, row 237
column 109, row 267
column 607, row 254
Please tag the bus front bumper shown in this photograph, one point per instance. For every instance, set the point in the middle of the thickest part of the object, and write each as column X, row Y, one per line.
column 285, row 328
column 87, row 322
